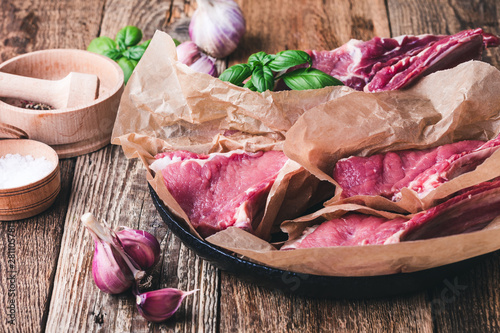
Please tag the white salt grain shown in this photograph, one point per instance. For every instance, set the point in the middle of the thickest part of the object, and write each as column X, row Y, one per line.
column 17, row 170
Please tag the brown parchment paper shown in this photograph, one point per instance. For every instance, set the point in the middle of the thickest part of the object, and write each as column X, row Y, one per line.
column 167, row 100
column 462, row 103
column 167, row 106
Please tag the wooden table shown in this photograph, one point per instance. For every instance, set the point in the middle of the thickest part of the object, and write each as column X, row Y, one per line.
column 47, row 284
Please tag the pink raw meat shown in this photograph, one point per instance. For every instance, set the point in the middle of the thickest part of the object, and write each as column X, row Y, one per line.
column 452, row 167
column 469, row 211
column 392, row 63
column 221, row 189
column 386, row 174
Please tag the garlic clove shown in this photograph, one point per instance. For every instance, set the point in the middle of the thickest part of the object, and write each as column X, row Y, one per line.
column 217, row 27
column 113, row 270
column 159, row 305
column 110, row 272
column 188, row 53
column 141, row 246
column 205, row 64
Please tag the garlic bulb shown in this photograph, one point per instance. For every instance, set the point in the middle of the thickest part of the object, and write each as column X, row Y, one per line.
column 205, row 64
column 113, row 270
column 159, row 305
column 217, row 27
column 188, row 53
column 141, row 246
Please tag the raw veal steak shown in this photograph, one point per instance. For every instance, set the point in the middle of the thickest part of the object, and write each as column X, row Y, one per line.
column 472, row 210
column 451, row 167
column 222, row 189
column 386, row 174
column 392, row 63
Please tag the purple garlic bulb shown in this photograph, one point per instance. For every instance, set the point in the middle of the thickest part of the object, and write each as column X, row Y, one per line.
column 113, row 270
column 141, row 246
column 189, row 54
column 159, row 305
column 217, row 27
column 205, row 64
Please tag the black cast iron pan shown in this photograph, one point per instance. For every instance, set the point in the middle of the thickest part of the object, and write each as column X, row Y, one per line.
column 313, row 285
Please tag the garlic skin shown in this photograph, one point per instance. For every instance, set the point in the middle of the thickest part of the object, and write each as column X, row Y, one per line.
column 109, row 270
column 159, row 305
column 205, row 64
column 141, row 246
column 217, row 27
column 188, row 53
column 113, row 270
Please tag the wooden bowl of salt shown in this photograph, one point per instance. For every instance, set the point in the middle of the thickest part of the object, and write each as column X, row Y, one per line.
column 74, row 130
column 29, row 178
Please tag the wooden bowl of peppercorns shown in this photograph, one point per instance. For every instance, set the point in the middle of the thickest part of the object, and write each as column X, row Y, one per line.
column 70, row 131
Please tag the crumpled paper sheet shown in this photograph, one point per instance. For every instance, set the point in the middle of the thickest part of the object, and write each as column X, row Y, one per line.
column 167, row 106
column 458, row 104
column 462, row 103
column 167, row 100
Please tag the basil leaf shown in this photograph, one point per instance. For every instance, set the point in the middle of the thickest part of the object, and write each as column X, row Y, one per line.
column 250, row 85
column 260, row 58
column 309, row 78
column 262, row 78
column 127, row 66
column 236, row 74
column 134, row 52
column 268, row 58
column 290, row 58
column 128, row 36
column 101, row 44
column 112, row 54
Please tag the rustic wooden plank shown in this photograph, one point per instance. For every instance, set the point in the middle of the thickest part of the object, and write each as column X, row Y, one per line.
column 27, row 26
column 273, row 26
column 259, row 309
column 468, row 302
column 445, row 17
column 29, row 250
column 42, row 24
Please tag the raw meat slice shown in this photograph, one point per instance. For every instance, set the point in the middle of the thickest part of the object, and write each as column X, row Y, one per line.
column 350, row 230
column 470, row 211
column 392, row 63
column 451, row 167
column 386, row 174
column 221, row 189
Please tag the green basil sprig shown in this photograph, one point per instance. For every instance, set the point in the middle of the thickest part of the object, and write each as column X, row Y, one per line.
column 264, row 69
column 124, row 49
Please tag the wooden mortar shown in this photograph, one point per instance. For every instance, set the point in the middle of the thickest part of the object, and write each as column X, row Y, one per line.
column 70, row 131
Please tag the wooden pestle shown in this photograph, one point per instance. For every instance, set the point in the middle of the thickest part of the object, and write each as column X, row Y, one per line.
column 76, row 89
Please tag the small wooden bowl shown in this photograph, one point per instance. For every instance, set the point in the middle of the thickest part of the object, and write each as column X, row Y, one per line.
column 70, row 131
column 29, row 200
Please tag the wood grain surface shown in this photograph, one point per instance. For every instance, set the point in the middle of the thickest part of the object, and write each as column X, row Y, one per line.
column 45, row 261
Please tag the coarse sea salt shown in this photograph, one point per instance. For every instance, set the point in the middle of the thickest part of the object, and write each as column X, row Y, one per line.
column 18, row 170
